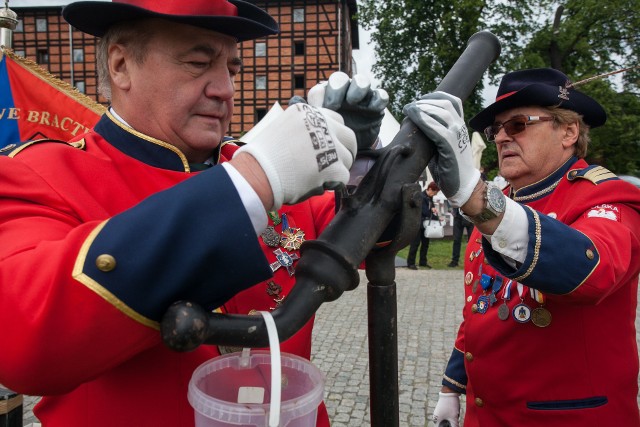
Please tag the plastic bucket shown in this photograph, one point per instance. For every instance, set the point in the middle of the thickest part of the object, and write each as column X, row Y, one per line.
column 218, row 385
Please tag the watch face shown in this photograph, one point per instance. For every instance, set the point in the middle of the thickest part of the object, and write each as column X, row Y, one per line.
column 496, row 199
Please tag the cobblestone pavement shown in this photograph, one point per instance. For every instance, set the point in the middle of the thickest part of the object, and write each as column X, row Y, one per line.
column 429, row 311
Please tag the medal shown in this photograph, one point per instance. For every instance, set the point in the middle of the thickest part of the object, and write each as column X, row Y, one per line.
column 284, row 259
column 270, row 237
column 521, row 313
column 292, row 239
column 492, row 299
column 541, row 317
column 503, row 311
column 483, row 304
column 274, row 217
column 468, row 278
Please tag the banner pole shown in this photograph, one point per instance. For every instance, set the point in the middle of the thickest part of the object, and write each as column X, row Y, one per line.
column 8, row 23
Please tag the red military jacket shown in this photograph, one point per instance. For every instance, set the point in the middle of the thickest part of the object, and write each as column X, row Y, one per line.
column 553, row 341
column 287, row 229
column 98, row 238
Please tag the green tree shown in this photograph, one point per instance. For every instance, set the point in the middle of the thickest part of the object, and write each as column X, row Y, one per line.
column 418, row 42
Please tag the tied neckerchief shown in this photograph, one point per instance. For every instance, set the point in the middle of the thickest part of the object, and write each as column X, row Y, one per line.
column 197, row 167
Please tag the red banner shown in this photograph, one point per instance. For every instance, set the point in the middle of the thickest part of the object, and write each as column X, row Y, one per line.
column 35, row 104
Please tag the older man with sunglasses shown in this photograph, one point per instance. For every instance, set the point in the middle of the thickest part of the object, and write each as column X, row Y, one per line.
column 551, row 271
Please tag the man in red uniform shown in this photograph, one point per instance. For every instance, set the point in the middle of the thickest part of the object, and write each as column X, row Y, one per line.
column 100, row 235
column 551, row 272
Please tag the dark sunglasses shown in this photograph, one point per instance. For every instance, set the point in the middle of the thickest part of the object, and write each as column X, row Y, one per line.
column 513, row 126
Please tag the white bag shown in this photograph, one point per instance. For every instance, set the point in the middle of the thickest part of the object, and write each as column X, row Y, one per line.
column 433, row 229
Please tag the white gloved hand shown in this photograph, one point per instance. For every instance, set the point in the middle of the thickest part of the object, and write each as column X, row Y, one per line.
column 439, row 116
column 361, row 107
column 303, row 152
column 447, row 409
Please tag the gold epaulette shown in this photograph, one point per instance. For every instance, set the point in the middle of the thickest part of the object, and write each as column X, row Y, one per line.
column 595, row 174
column 12, row 150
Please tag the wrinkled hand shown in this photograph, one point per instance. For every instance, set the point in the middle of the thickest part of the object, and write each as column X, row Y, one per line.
column 361, row 107
column 447, row 409
column 439, row 116
column 303, row 152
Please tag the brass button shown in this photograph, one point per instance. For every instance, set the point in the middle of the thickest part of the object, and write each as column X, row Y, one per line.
column 589, row 254
column 474, row 308
column 105, row 263
column 468, row 356
column 573, row 174
column 469, row 298
column 479, row 402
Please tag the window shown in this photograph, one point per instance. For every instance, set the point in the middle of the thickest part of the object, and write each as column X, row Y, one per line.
column 41, row 25
column 261, row 49
column 260, row 113
column 42, row 56
column 78, row 55
column 19, row 27
column 298, row 81
column 298, row 48
column 298, row 15
column 261, row 82
column 80, row 86
column 19, row 53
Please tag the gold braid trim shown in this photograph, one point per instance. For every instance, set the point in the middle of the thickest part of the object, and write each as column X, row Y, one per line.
column 598, row 174
column 537, row 194
column 53, row 81
column 454, row 382
column 536, row 250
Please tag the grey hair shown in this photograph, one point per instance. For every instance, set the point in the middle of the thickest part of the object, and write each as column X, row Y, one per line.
column 134, row 35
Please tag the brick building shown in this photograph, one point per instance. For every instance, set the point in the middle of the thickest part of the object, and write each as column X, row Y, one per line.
column 316, row 38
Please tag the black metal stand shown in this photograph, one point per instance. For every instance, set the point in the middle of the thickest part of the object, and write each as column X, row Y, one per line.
column 383, row 209
column 382, row 310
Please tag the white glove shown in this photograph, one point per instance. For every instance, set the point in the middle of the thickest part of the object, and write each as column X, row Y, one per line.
column 439, row 116
column 304, row 151
column 447, row 409
column 361, row 107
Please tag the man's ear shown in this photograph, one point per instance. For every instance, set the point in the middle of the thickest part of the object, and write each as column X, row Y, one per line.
column 118, row 66
column 571, row 133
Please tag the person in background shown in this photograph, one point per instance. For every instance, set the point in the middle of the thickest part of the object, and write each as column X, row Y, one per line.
column 429, row 212
column 460, row 224
column 551, row 274
column 154, row 205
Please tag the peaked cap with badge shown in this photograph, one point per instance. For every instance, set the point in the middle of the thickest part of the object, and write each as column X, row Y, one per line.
column 236, row 18
column 545, row 87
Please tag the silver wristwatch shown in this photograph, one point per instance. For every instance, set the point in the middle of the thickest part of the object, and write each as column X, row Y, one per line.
column 494, row 204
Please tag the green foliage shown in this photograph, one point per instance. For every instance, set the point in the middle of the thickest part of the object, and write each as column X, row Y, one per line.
column 418, row 41
column 439, row 255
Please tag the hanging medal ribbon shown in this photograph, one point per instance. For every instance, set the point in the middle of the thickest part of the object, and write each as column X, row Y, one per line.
column 495, row 288
column 485, row 282
column 521, row 312
column 503, row 310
